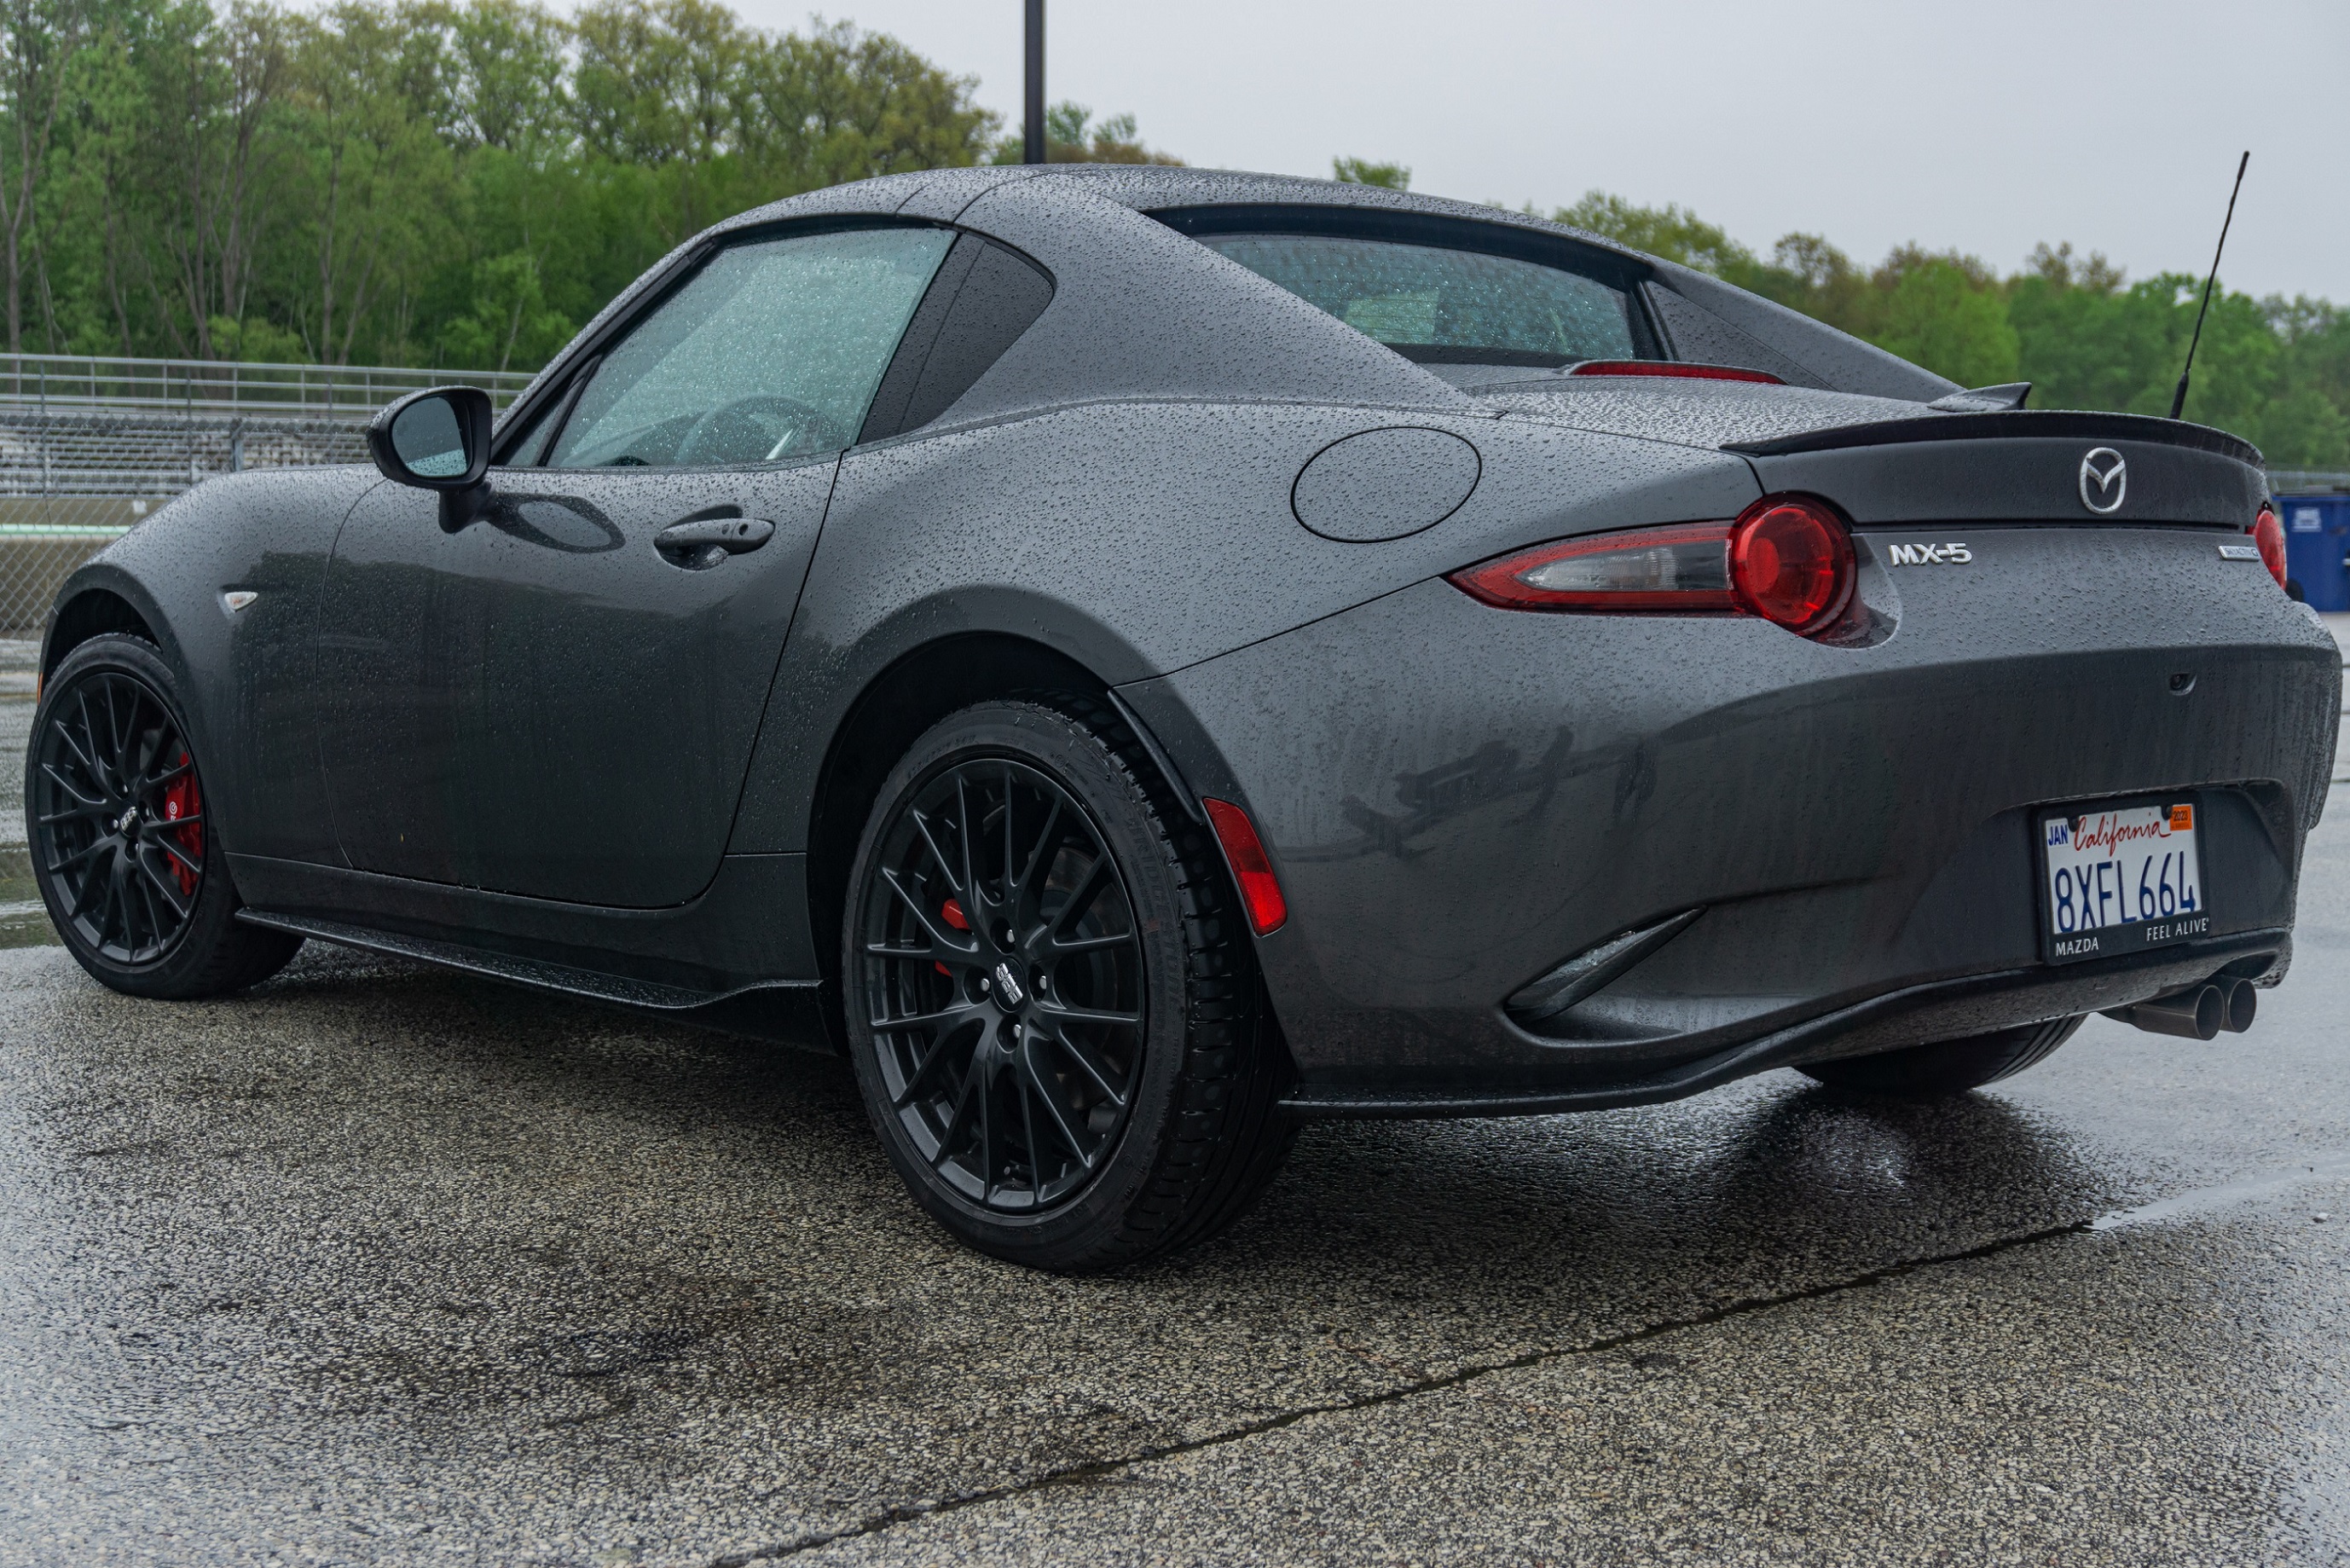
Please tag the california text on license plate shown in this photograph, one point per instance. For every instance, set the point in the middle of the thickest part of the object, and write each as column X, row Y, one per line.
column 2119, row 880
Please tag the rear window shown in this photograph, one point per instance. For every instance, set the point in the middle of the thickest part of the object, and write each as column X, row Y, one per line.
column 1440, row 305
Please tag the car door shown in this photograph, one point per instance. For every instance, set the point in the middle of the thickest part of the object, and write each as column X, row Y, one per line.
column 558, row 697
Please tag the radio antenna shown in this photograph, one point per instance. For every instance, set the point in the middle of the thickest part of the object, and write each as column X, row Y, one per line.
column 2178, row 398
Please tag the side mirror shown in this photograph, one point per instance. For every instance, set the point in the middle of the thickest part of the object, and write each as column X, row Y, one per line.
column 436, row 439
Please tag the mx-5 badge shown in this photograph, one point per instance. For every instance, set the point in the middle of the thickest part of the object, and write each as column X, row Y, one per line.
column 1950, row 554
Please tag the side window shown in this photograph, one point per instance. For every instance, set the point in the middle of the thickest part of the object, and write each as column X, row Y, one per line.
column 529, row 449
column 771, row 351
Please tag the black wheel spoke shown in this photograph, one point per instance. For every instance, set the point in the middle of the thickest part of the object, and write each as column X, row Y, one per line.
column 1060, row 944
column 72, row 742
column 931, row 1061
column 93, row 880
column 82, row 803
column 961, row 1010
column 1052, row 960
column 1043, row 1090
column 168, row 777
column 60, row 867
column 1022, row 1090
column 931, row 843
column 1089, row 1064
column 168, row 843
column 988, row 1167
column 1027, row 884
column 1097, row 877
column 968, row 831
column 118, row 898
column 921, row 914
column 956, row 1118
column 161, row 884
column 1063, row 1015
column 1011, row 893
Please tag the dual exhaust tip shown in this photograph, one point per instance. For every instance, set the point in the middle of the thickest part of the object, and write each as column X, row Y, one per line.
column 2197, row 1012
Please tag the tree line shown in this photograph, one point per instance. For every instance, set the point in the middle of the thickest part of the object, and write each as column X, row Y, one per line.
column 465, row 182
column 2273, row 371
column 456, row 182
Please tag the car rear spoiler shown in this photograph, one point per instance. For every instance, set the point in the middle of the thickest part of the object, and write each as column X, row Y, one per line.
column 2048, row 424
column 2020, row 467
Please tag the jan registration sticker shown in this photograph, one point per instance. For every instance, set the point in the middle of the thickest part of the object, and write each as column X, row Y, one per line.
column 2119, row 880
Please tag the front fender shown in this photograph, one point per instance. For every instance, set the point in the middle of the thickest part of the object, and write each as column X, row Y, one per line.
column 242, row 675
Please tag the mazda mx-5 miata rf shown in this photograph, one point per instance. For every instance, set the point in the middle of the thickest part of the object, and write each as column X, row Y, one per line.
column 1150, row 655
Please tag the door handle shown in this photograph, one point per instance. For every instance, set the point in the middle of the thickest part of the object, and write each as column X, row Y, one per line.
column 700, row 543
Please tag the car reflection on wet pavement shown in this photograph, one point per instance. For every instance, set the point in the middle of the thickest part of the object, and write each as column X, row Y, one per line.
column 378, row 1265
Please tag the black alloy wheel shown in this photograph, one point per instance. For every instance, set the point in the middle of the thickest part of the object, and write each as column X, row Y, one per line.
column 119, row 816
column 122, row 847
column 1051, row 997
column 1003, row 976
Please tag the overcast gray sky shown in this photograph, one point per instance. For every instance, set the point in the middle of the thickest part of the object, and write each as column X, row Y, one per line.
column 1988, row 124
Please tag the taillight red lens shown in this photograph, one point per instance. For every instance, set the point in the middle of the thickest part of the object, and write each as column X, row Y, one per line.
column 1790, row 561
column 2269, row 534
column 1251, row 867
column 1673, row 368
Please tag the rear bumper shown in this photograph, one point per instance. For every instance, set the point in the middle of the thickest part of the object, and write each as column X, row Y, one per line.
column 1939, row 1009
column 1458, row 799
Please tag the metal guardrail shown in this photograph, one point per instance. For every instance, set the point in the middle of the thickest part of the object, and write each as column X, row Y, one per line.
column 2306, row 481
column 90, row 446
column 62, row 382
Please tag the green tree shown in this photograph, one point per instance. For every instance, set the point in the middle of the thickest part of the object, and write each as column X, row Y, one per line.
column 1071, row 136
column 377, row 178
column 836, row 105
column 38, row 42
column 1363, row 171
column 1940, row 313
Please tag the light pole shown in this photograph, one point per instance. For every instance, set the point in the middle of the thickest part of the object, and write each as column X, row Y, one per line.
column 1033, row 128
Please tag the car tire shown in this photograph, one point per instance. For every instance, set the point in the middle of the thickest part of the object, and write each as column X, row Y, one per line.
column 1947, row 1067
column 1055, row 1020
column 132, row 870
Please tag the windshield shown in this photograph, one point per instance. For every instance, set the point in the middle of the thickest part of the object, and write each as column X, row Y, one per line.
column 1437, row 305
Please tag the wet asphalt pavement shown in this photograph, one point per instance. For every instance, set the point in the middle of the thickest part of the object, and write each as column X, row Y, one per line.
column 382, row 1265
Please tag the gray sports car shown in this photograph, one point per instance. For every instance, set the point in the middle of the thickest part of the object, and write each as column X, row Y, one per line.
column 1148, row 656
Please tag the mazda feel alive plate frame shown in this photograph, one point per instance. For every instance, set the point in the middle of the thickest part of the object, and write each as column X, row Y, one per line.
column 2119, row 878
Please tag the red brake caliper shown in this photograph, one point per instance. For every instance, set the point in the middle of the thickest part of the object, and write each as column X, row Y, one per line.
column 179, row 799
column 952, row 913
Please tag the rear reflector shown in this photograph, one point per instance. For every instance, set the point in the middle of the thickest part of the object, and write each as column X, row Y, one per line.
column 1787, row 558
column 1244, row 853
column 1673, row 368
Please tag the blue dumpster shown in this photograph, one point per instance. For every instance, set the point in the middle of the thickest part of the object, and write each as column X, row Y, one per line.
column 2316, row 540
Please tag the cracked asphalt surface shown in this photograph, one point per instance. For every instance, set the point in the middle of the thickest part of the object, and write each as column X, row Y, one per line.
column 380, row 1265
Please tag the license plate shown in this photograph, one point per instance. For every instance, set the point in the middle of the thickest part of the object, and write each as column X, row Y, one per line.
column 2121, row 878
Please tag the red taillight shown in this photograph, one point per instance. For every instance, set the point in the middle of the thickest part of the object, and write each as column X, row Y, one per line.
column 1244, row 852
column 1787, row 558
column 1791, row 562
column 1673, row 368
column 2269, row 534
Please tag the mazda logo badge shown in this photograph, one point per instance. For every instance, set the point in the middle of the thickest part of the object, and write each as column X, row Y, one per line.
column 2104, row 480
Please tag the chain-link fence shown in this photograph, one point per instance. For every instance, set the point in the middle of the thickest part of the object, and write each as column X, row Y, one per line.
column 89, row 447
